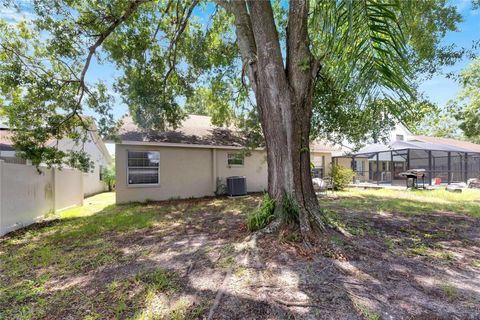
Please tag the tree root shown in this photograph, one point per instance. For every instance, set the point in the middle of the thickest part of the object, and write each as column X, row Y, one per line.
column 219, row 295
column 296, row 304
column 272, row 227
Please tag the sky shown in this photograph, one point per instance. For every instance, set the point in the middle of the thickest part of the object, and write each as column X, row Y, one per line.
column 438, row 89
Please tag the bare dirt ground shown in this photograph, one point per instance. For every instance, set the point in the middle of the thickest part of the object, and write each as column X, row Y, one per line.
column 194, row 259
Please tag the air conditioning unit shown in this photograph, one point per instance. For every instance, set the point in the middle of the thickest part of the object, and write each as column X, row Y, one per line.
column 236, row 186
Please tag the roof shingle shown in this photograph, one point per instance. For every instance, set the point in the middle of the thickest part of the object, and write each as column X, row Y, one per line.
column 196, row 130
column 470, row 146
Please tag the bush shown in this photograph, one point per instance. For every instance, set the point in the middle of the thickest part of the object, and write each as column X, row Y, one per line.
column 108, row 177
column 290, row 210
column 341, row 177
column 261, row 216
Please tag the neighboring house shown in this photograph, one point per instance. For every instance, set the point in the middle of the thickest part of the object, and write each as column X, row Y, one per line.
column 95, row 147
column 445, row 160
column 7, row 152
column 99, row 155
column 192, row 161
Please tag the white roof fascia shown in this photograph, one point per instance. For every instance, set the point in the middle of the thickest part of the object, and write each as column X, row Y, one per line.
column 201, row 146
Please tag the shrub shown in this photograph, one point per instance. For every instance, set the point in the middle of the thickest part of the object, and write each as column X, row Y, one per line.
column 261, row 216
column 341, row 177
column 108, row 176
column 290, row 210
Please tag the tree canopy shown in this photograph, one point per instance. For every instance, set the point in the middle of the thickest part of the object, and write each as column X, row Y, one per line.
column 460, row 118
column 466, row 107
column 178, row 57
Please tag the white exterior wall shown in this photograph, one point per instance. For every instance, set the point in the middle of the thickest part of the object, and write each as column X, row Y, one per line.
column 27, row 195
column 9, row 154
column 400, row 130
column 92, row 183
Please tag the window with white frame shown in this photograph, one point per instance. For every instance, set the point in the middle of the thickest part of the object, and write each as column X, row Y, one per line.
column 143, row 167
column 235, row 159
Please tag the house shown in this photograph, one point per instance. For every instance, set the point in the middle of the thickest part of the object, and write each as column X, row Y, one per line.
column 192, row 161
column 444, row 160
column 94, row 146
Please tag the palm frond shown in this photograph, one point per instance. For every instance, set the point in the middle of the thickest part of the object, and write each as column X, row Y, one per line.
column 363, row 45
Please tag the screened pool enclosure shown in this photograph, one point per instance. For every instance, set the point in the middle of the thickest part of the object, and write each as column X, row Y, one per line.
column 443, row 164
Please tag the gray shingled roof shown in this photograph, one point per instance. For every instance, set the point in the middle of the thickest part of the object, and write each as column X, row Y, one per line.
column 195, row 130
column 428, row 144
column 6, row 143
column 473, row 147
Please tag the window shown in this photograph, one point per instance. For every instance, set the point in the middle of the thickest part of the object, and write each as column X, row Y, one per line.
column 235, row 159
column 317, row 173
column 399, row 137
column 100, row 172
column 143, row 167
column 359, row 165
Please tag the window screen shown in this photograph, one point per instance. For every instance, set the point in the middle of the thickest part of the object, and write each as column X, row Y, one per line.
column 143, row 167
column 235, row 159
column 360, row 167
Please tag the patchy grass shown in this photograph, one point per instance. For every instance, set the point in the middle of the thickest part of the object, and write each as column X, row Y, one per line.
column 51, row 269
column 405, row 253
column 413, row 201
column 451, row 292
column 367, row 313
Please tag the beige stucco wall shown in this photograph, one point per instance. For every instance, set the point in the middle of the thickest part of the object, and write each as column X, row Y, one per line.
column 184, row 173
column 322, row 158
column 344, row 162
column 363, row 175
column 188, row 172
column 254, row 169
column 193, row 172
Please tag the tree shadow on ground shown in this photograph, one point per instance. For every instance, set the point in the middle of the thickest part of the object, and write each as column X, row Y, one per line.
column 416, row 263
column 183, row 259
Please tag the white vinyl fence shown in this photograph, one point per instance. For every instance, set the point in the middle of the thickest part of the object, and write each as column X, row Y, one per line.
column 27, row 195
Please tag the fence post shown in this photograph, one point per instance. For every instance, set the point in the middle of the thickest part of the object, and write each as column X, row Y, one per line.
column 1, row 199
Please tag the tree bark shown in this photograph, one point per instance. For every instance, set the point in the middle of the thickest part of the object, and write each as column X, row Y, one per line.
column 284, row 101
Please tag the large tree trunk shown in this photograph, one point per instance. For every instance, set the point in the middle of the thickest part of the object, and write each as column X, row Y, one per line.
column 284, row 101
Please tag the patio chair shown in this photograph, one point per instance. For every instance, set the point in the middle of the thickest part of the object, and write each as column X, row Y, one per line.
column 474, row 183
column 321, row 186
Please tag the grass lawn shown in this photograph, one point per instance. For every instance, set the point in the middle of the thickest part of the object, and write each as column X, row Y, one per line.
column 403, row 255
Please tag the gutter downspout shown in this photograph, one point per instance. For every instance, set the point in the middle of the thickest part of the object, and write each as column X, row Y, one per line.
column 214, row 170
